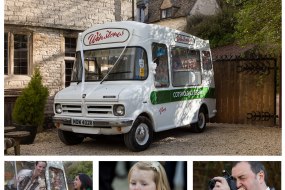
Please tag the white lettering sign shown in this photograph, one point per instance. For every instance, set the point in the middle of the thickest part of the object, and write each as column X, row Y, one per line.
column 105, row 36
column 187, row 93
column 184, row 39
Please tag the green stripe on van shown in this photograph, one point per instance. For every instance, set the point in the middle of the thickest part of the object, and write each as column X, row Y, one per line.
column 166, row 96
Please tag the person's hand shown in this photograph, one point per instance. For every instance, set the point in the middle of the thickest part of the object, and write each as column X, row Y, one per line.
column 221, row 184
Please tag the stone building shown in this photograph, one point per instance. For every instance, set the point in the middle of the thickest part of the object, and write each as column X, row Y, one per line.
column 173, row 13
column 43, row 33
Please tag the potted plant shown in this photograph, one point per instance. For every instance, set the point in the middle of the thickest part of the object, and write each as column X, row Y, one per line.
column 28, row 111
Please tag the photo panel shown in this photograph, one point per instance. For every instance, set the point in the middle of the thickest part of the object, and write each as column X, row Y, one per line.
column 236, row 175
column 48, row 175
column 131, row 175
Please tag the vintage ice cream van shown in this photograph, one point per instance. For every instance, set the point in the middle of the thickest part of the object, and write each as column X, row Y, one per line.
column 135, row 79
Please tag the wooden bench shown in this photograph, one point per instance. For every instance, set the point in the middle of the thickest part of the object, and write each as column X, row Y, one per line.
column 16, row 136
column 9, row 129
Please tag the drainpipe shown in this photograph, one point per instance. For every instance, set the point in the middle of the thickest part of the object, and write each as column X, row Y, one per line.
column 133, row 14
column 141, row 7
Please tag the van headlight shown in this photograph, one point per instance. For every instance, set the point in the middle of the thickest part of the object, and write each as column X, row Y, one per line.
column 119, row 110
column 58, row 109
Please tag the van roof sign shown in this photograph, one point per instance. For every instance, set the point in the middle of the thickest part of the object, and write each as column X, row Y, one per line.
column 184, row 39
column 106, row 36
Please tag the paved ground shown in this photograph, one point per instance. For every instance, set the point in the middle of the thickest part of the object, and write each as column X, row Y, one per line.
column 217, row 139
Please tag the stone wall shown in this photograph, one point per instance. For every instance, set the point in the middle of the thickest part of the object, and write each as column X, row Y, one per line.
column 126, row 10
column 48, row 54
column 71, row 14
column 176, row 23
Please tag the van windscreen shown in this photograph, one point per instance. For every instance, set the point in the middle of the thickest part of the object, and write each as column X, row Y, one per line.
column 129, row 64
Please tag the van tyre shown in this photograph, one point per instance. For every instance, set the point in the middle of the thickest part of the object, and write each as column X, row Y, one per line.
column 69, row 138
column 200, row 126
column 140, row 136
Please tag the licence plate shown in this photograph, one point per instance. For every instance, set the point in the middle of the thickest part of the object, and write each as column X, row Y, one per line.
column 82, row 122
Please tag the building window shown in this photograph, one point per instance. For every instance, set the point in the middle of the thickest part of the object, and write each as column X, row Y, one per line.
column 68, row 71
column 6, row 53
column 166, row 13
column 70, row 50
column 70, row 47
column 16, row 54
column 20, row 54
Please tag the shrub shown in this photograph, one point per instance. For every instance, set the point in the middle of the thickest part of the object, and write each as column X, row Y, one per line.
column 30, row 105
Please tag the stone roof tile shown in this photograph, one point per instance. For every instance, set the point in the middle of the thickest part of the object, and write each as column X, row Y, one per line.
column 183, row 8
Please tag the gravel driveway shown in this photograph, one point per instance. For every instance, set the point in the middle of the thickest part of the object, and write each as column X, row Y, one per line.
column 217, row 139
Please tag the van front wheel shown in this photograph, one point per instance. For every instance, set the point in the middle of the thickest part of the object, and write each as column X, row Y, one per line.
column 140, row 135
column 200, row 126
column 69, row 138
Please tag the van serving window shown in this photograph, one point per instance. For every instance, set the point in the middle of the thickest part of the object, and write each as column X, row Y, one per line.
column 207, row 61
column 56, row 179
column 160, row 57
column 186, row 67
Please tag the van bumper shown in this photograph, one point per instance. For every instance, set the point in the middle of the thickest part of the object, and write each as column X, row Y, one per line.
column 93, row 126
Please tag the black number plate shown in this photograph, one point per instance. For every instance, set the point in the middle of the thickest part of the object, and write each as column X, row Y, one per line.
column 82, row 122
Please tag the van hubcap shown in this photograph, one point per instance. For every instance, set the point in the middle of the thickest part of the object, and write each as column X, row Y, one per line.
column 142, row 134
column 201, row 120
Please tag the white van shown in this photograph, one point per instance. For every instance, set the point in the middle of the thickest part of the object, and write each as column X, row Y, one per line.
column 137, row 79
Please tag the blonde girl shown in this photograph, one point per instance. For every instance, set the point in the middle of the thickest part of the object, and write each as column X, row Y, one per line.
column 147, row 176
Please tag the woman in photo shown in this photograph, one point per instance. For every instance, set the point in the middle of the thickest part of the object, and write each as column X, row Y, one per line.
column 82, row 182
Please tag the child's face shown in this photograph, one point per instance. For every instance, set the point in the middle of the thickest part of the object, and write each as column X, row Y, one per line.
column 142, row 180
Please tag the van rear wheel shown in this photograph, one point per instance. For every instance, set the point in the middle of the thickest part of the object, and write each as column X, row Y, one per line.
column 140, row 136
column 69, row 138
column 200, row 125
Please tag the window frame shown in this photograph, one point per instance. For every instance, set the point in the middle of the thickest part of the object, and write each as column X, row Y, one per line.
column 56, row 173
column 207, row 63
column 166, row 13
column 157, row 45
column 68, row 59
column 110, row 60
column 11, row 53
column 186, row 68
